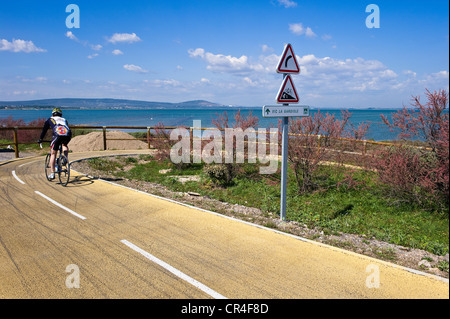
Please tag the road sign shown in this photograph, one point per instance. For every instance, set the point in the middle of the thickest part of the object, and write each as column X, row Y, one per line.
column 285, row 111
column 288, row 62
column 287, row 93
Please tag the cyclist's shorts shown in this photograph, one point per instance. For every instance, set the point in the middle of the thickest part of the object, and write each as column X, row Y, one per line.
column 58, row 141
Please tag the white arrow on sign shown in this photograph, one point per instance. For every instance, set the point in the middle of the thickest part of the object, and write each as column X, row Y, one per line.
column 288, row 62
column 285, row 111
column 287, row 93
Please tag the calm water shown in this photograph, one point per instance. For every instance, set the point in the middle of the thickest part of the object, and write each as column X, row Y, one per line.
column 177, row 117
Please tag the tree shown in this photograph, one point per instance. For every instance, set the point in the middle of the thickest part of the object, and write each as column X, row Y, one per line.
column 312, row 138
column 228, row 171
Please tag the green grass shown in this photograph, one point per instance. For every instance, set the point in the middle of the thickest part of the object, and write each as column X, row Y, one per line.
column 363, row 209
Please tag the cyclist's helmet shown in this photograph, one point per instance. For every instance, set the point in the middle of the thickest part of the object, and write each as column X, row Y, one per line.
column 57, row 112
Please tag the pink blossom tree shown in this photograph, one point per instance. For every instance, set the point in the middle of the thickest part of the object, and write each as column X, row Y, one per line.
column 423, row 173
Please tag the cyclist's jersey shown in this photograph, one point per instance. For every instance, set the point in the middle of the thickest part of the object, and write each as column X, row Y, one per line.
column 59, row 127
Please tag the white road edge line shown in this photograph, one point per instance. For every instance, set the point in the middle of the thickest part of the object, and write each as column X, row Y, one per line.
column 30, row 163
column 61, row 206
column 175, row 271
column 18, row 179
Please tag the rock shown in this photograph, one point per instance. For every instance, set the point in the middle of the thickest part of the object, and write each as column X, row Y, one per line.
column 434, row 271
column 193, row 194
column 424, row 263
column 446, row 258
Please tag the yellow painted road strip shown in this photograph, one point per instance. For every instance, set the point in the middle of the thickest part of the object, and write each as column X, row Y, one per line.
column 60, row 206
column 174, row 271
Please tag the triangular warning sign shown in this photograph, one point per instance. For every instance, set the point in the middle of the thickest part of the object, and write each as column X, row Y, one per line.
column 287, row 92
column 288, row 62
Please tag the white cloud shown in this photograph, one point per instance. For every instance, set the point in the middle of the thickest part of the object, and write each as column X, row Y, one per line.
column 166, row 83
column 117, row 52
column 19, row 46
column 134, row 68
column 71, row 36
column 31, row 92
column 298, row 29
column 124, row 38
column 346, row 75
column 39, row 79
column 199, row 52
column 265, row 48
column 410, row 73
column 331, row 79
column 96, row 47
column 309, row 33
column 93, row 56
column 356, row 80
column 226, row 63
column 287, row 3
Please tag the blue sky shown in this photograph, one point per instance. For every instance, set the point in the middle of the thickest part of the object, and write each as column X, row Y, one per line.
column 224, row 51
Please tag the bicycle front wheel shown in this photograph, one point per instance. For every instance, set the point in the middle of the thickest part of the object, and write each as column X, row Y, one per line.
column 63, row 170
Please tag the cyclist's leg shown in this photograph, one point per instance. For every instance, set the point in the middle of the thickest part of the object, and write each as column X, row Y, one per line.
column 53, row 153
column 65, row 147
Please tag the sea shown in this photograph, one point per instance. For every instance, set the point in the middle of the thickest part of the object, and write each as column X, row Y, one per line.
column 378, row 131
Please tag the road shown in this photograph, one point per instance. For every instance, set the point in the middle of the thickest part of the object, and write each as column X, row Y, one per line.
column 95, row 239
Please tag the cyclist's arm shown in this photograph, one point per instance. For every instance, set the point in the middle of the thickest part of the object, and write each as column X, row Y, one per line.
column 44, row 130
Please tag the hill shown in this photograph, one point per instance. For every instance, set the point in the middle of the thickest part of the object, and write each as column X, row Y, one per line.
column 72, row 103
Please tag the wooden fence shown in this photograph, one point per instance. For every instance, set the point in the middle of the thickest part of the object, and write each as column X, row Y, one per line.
column 357, row 149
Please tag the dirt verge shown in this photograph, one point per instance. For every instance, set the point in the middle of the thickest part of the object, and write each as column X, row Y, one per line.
column 115, row 140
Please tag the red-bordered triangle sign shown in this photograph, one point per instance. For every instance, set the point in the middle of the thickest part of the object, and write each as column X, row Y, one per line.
column 288, row 62
column 287, row 92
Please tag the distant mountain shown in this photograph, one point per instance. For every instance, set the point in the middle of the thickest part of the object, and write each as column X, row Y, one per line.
column 106, row 104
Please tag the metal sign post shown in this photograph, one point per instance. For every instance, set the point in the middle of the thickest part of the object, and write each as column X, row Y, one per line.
column 284, row 165
column 287, row 94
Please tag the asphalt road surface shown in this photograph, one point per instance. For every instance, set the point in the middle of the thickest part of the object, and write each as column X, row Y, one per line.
column 95, row 239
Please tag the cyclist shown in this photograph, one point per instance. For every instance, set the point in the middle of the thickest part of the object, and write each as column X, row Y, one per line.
column 61, row 136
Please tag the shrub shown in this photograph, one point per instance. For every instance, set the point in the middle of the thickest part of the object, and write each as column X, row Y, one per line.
column 220, row 174
column 23, row 136
column 225, row 173
column 421, row 173
column 312, row 141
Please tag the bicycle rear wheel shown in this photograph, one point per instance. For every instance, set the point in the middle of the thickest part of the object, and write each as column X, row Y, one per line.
column 63, row 170
column 47, row 167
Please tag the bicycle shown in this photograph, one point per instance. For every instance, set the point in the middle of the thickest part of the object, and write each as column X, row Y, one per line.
column 62, row 167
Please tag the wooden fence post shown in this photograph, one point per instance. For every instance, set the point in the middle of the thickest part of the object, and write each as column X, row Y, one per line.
column 16, row 142
column 104, row 138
